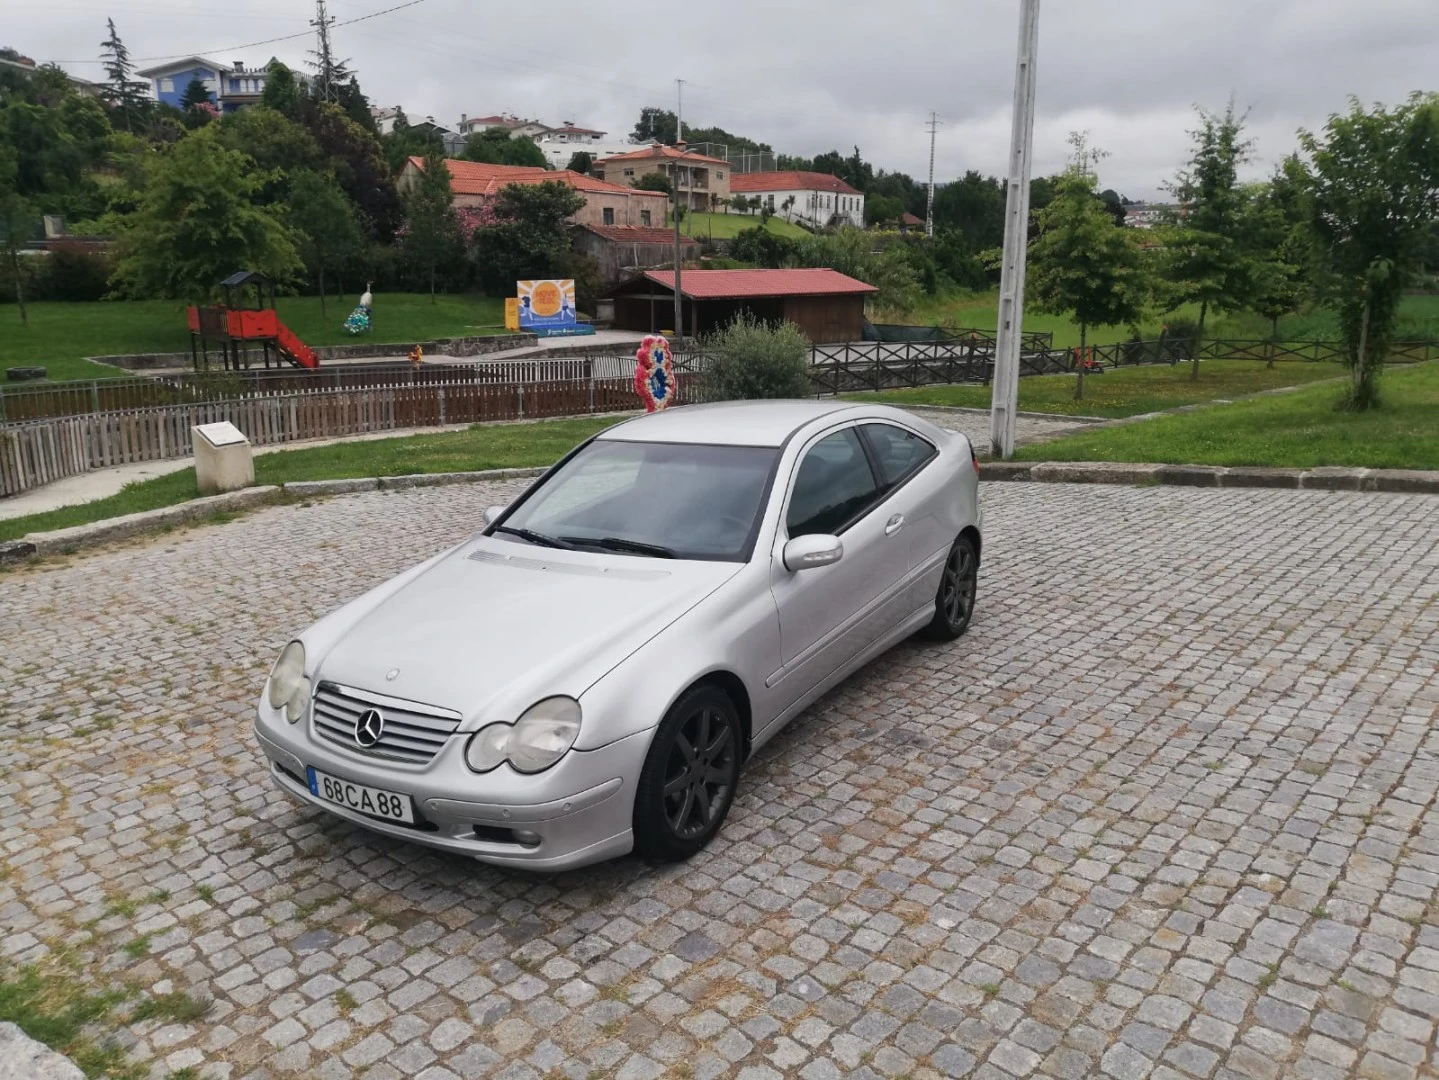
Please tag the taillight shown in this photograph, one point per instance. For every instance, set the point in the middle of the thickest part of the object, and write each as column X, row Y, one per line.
column 974, row 459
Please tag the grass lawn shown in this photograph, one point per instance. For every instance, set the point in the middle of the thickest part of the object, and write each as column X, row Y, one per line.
column 1418, row 318
column 728, row 226
column 1125, row 391
column 485, row 446
column 61, row 335
column 1297, row 431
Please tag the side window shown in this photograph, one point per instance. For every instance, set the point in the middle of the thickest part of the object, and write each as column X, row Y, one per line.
column 609, row 214
column 901, row 453
column 833, row 488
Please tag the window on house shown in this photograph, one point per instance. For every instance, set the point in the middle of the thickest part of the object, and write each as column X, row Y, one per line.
column 719, row 174
column 770, row 201
column 629, row 172
column 609, row 213
column 644, row 217
column 167, row 86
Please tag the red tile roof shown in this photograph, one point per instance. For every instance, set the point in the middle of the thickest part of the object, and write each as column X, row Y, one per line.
column 656, row 152
column 745, row 284
column 912, row 219
column 789, row 181
column 637, row 234
column 477, row 178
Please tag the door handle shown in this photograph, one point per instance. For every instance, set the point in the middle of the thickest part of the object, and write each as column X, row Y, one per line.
column 894, row 525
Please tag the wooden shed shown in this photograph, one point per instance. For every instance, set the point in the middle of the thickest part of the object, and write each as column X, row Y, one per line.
column 826, row 305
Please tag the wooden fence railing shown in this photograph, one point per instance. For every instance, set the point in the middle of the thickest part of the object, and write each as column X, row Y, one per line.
column 39, row 452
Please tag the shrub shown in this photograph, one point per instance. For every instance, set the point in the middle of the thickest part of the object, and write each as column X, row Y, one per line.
column 751, row 359
column 76, row 274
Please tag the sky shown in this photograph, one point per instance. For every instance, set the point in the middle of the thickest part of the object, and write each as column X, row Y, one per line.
column 817, row 75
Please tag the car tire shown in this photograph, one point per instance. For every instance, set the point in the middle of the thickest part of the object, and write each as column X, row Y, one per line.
column 683, row 797
column 954, row 599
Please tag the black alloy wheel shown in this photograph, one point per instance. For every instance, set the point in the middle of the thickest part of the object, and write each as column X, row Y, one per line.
column 689, row 778
column 954, row 601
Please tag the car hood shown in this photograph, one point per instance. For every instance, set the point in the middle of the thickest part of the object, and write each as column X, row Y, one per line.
column 495, row 626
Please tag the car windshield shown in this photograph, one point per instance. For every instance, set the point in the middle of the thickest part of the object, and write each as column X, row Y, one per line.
column 666, row 500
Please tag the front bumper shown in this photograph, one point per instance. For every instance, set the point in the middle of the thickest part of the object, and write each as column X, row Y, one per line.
column 581, row 810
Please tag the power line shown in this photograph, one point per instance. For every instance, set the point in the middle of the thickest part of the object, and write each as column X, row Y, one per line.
column 255, row 44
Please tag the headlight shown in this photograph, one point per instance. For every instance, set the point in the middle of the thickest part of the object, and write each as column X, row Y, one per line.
column 295, row 707
column 286, row 675
column 535, row 741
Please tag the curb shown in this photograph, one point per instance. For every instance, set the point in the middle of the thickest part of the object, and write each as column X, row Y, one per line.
column 63, row 541
column 1323, row 478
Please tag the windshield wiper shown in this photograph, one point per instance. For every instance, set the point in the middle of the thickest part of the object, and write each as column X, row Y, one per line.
column 536, row 537
column 619, row 543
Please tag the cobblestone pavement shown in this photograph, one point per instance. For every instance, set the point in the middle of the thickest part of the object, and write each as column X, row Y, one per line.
column 1168, row 810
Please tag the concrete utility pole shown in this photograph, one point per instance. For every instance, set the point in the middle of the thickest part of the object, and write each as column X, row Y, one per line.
column 1005, row 399
column 933, row 125
column 675, row 181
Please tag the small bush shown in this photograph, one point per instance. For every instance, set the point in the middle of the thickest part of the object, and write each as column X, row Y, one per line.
column 751, row 359
column 77, row 274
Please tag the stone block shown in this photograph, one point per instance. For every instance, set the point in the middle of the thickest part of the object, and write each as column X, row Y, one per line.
column 224, row 460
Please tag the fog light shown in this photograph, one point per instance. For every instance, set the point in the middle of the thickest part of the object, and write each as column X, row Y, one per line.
column 528, row 839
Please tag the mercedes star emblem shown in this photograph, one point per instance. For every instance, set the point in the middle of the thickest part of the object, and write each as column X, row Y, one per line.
column 392, row 674
column 369, row 726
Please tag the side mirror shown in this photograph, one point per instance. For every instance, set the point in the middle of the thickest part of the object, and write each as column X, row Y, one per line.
column 807, row 552
column 492, row 514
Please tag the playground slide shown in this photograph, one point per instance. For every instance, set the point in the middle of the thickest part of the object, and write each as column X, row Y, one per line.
column 293, row 348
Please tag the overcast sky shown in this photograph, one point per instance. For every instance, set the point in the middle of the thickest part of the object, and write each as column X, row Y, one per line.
column 816, row 75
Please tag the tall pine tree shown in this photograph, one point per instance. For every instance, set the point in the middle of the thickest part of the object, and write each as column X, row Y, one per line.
column 124, row 94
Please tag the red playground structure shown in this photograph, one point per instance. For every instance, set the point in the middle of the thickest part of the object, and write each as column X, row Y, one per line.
column 234, row 325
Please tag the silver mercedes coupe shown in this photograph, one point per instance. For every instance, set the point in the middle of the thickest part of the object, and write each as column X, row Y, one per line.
column 586, row 675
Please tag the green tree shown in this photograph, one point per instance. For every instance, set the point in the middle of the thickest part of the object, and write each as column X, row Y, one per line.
column 495, row 147
column 358, row 162
column 882, row 210
column 197, row 224
column 282, row 91
column 655, row 125
column 406, row 141
column 324, row 224
column 125, row 94
column 277, row 145
column 1083, row 264
column 581, row 161
column 531, row 239
column 16, row 223
column 972, row 206
column 653, row 181
column 1372, row 191
column 432, row 230
column 1277, row 238
column 1206, row 258
column 195, row 93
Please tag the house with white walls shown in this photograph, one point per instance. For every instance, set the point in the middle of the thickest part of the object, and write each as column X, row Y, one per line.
column 811, row 198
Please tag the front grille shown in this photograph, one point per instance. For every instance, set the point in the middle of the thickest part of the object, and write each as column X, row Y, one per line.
column 413, row 733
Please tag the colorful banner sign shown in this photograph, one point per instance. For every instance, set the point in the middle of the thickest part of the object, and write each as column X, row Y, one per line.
column 547, row 306
column 512, row 313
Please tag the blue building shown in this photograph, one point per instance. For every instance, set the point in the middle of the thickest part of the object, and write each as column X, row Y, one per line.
column 230, row 88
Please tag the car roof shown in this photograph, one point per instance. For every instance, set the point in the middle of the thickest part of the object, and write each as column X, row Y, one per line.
column 729, row 423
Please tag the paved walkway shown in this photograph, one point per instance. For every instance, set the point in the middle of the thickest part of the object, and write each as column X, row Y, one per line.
column 1168, row 810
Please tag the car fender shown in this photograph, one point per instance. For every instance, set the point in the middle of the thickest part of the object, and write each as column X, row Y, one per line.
column 735, row 630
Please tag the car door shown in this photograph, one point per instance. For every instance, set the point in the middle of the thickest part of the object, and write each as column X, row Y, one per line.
column 828, row 614
column 902, row 458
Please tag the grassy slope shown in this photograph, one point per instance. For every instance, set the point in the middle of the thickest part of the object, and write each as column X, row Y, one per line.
column 60, row 335
column 1419, row 317
column 1126, row 391
column 1298, row 430
column 491, row 446
column 728, row 226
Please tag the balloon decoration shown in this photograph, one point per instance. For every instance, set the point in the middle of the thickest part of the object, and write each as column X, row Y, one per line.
column 655, row 373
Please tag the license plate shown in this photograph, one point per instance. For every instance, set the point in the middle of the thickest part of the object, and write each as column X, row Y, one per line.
column 376, row 802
